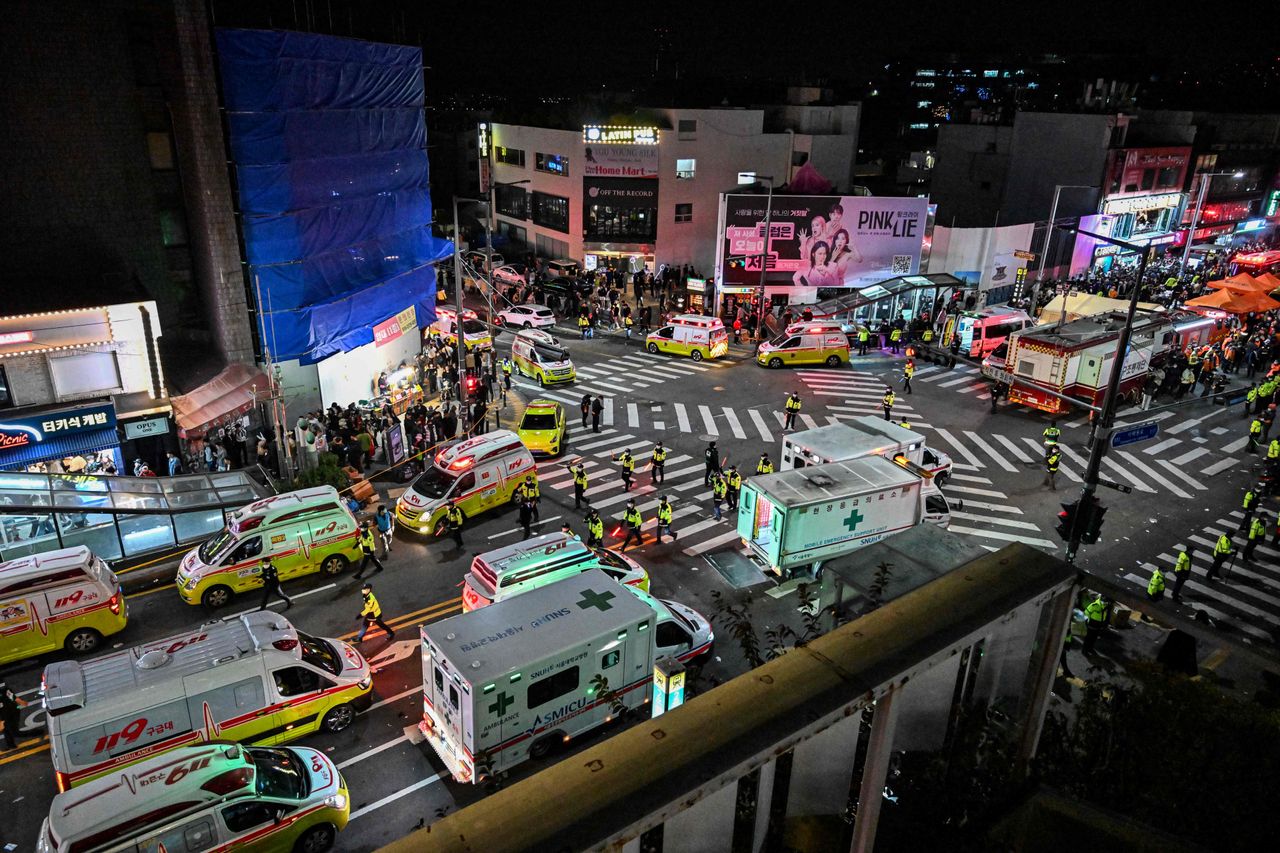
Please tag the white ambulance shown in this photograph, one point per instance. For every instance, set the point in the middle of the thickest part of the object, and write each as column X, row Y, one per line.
column 252, row 678
column 865, row 435
column 513, row 569
column 690, row 334
column 479, row 473
column 539, row 355
column 65, row 599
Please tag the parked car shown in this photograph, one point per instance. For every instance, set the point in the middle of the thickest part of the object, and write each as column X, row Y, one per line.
column 563, row 268
column 563, row 286
column 477, row 258
column 530, row 316
column 509, row 273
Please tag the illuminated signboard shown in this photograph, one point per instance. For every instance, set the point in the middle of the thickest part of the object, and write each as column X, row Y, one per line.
column 7, row 338
column 17, row 433
column 1273, row 203
column 1147, row 202
column 612, row 135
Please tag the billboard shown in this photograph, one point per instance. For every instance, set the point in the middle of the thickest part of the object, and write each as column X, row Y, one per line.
column 823, row 241
column 620, row 161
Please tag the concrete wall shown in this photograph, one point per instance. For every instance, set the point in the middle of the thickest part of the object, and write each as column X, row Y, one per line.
column 531, row 140
column 1050, row 149
column 984, row 253
column 971, row 169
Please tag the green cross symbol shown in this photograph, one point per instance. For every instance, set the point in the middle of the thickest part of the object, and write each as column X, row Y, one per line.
column 500, row 704
column 598, row 600
column 854, row 519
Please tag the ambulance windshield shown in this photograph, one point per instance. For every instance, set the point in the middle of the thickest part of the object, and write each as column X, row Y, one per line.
column 214, row 545
column 281, row 773
column 433, row 483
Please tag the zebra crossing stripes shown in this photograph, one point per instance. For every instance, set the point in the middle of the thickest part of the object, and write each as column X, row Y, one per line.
column 959, row 448
column 1013, row 448
column 990, row 451
column 1152, row 473
column 1190, row 481
column 758, row 420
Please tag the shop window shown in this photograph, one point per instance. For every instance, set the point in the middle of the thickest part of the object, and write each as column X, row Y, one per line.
column 685, row 168
column 612, row 222
column 684, row 213
column 509, row 156
column 687, row 128
column 551, row 211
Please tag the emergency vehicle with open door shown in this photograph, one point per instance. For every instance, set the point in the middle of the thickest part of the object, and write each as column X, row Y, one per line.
column 980, row 332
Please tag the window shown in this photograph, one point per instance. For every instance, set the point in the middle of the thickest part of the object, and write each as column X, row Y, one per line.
column 510, row 156
column 687, row 128
column 685, row 168
column 671, row 635
column 684, row 213
column 1148, row 178
column 453, row 696
column 439, row 680
column 611, row 222
column 297, row 680
column 610, row 659
column 549, row 247
column 518, row 236
column 512, row 201
column 6, row 396
column 551, row 211
column 248, row 549
column 245, row 816
column 552, row 687
column 552, row 164
column 1168, row 177
column 160, row 150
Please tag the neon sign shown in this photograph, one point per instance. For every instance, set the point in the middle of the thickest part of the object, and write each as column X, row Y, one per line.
column 620, row 135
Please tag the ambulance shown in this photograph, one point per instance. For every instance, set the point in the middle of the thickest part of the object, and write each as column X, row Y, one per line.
column 252, row 678
column 217, row 796
column 817, row 342
column 65, row 599
column 303, row 532
column 498, row 574
column 475, row 334
column 479, row 473
column 982, row 331
column 865, row 435
column 538, row 355
column 690, row 334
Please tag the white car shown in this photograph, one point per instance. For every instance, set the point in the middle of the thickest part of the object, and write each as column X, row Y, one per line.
column 527, row 316
column 509, row 273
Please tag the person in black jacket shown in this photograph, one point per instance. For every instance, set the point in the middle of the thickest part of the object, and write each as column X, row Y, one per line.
column 271, row 586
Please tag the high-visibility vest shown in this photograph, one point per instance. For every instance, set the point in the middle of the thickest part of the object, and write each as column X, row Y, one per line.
column 453, row 517
column 1252, row 395
column 628, row 464
column 793, row 404
column 366, row 539
column 1255, row 428
column 1052, row 461
column 926, row 335
column 1273, row 451
column 735, row 480
column 1096, row 611
column 1051, row 435
column 372, row 609
column 506, row 367
column 664, row 513
column 1183, row 564
column 583, row 322
column 895, row 335
column 1257, row 530
column 530, row 491
column 632, row 517
column 1249, row 498
column 580, row 477
column 1155, row 586
column 863, row 336
column 764, row 466
column 595, row 528
column 888, row 400
column 908, row 369
column 718, row 487
column 659, row 455
column 1223, row 546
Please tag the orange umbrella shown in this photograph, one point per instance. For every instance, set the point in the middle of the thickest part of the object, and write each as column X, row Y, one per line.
column 1223, row 300
column 1240, row 283
column 1260, row 302
column 1269, row 281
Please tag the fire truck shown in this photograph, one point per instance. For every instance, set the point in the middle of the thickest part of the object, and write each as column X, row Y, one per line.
column 1076, row 359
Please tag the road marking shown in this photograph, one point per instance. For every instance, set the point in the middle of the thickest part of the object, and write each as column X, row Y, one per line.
column 700, row 526
column 969, row 478
column 960, row 448
column 1007, row 537
column 808, row 421
column 763, row 427
column 708, row 420
column 1013, row 448
column 714, row 542
column 1235, row 446
column 278, row 601
column 734, row 424
column 537, row 524
column 1162, row 446
column 391, row 798
column 1126, row 474
column 607, row 420
column 991, row 451
column 150, row 591
column 682, row 418
column 604, row 442
column 970, row 490
column 956, row 381
column 1194, row 453
column 633, row 415
column 993, row 507
column 1220, row 465
column 1007, row 522
column 1151, row 472
column 1188, row 424
column 369, row 753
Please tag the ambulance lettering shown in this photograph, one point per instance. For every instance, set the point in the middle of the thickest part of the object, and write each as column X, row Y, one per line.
column 129, row 733
column 492, row 638
column 550, row 617
column 560, row 714
column 73, row 598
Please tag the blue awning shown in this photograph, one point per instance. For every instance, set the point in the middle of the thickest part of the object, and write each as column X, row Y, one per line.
column 79, row 443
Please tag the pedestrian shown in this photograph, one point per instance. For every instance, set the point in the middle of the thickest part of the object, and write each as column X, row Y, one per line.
column 633, row 520
column 386, row 528
column 1051, row 436
column 1249, row 504
column 712, row 459
column 584, row 325
column 792, row 408
column 864, row 339
column 271, row 585
column 996, row 389
column 1187, row 383
column 1255, row 434
column 580, row 486
column 1051, row 460
column 567, row 530
column 453, row 522
column 595, row 529
column 628, row 467
column 175, row 465
column 887, row 401
column 371, row 614
column 1257, row 533
column 719, row 489
column 1221, row 551
column 1095, row 622
column 764, row 465
column 734, row 481
column 529, row 491
column 597, row 408
column 1273, row 452
column 1181, row 571
column 368, row 546
column 658, row 464
column 10, row 715
column 526, row 516
column 664, row 520
column 1155, row 586
column 586, row 409
column 908, row 370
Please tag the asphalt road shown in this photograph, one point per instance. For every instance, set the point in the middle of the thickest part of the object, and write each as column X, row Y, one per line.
column 1185, row 483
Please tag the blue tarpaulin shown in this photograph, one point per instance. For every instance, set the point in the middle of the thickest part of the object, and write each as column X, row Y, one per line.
column 329, row 143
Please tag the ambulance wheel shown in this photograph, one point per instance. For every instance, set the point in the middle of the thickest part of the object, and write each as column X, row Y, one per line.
column 216, row 596
column 653, row 348
column 833, row 361
column 317, row 839
column 543, row 746
column 338, row 718
column 541, row 382
column 775, row 362
column 334, row 564
column 696, row 355
column 82, row 641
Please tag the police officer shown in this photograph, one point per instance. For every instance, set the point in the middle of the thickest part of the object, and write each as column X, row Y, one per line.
column 632, row 519
column 927, row 335
column 1255, row 434
column 10, row 714
column 506, row 373
column 1257, row 533
column 764, row 466
column 864, row 339
column 567, row 530
column 664, row 520
column 658, row 464
column 1051, row 460
column 628, row 464
column 895, row 338
column 595, row 529
column 1095, row 622
column 1181, row 571
column 1273, row 451
column 371, row 614
column 526, row 514
column 908, row 370
column 584, row 325
column 531, row 494
column 887, row 402
column 1051, row 435
column 1155, row 586
column 271, row 585
column 718, row 491
column 1221, row 551
column 712, row 459
column 370, row 548
column 792, row 408
column 580, row 486
column 1249, row 504
column 734, row 481
column 597, row 409
column 453, row 522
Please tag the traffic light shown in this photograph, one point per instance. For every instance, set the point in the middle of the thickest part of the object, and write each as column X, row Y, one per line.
column 1092, row 522
column 471, row 384
column 1067, row 519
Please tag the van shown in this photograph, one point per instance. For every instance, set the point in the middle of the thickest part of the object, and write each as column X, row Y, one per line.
column 496, row 575
column 864, row 435
column 539, row 355
column 806, row 343
column 475, row 334
column 252, row 678
column 216, row 796
column 479, row 473
column 65, row 599
column 690, row 334
column 563, row 267
column 303, row 532
column 982, row 331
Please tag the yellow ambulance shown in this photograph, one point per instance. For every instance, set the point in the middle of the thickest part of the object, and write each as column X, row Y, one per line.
column 303, row 532
column 538, row 354
column 65, row 599
column 218, row 796
column 474, row 333
column 814, row 342
column 252, row 678
column 479, row 473
column 690, row 334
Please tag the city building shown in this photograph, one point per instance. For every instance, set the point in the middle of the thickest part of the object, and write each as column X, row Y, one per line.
column 649, row 189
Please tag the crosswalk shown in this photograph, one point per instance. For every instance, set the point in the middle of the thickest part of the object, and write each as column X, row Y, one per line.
column 1246, row 595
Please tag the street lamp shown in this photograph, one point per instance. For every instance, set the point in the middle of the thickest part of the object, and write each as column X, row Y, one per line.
column 1206, row 178
column 1048, row 237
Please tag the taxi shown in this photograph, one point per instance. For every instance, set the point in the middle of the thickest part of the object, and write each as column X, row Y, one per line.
column 693, row 335
column 543, row 427
column 475, row 334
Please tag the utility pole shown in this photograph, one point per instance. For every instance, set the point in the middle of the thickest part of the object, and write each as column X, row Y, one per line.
column 463, row 415
column 1206, row 178
column 1048, row 238
column 764, row 254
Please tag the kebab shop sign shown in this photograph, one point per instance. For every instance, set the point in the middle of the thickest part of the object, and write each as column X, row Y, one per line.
column 388, row 330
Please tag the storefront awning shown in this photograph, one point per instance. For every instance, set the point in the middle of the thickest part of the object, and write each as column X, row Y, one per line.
column 226, row 396
column 73, row 444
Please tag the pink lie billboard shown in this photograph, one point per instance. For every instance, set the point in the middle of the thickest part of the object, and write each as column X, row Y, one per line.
column 822, row 241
